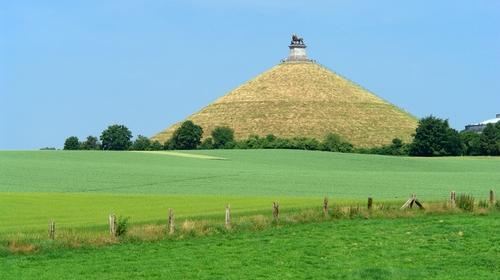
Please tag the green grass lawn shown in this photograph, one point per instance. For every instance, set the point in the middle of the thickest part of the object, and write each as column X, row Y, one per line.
column 460, row 246
column 79, row 189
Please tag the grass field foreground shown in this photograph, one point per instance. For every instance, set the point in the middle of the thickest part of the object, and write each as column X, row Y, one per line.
column 461, row 246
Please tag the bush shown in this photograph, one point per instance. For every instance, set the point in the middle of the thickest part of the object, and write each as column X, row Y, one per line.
column 91, row 143
column 207, row 144
column 396, row 148
column 334, row 143
column 186, row 137
column 489, row 141
column 465, row 202
column 305, row 143
column 434, row 137
column 156, row 146
column 223, row 137
column 471, row 143
column 168, row 145
column 122, row 226
column 142, row 143
column 72, row 143
column 116, row 137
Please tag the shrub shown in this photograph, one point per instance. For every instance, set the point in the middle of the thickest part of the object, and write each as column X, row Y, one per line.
column 489, row 141
column 91, row 143
column 434, row 137
column 471, row 143
column 156, row 146
column 223, row 137
column 116, row 137
column 207, row 144
column 168, row 145
column 334, row 143
column 465, row 202
column 72, row 143
column 305, row 143
column 187, row 136
column 122, row 226
column 142, row 143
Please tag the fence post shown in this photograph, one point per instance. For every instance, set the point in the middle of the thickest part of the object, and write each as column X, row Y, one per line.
column 453, row 197
column 325, row 206
column 492, row 197
column 228, row 216
column 52, row 230
column 276, row 211
column 171, row 225
column 370, row 203
column 112, row 225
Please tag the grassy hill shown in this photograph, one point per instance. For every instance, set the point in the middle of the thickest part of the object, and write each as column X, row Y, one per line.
column 304, row 100
column 81, row 188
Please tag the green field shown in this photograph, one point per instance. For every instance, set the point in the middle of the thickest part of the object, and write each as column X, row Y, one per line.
column 79, row 189
column 460, row 246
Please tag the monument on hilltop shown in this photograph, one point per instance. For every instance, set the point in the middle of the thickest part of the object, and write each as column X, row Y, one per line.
column 297, row 50
column 301, row 98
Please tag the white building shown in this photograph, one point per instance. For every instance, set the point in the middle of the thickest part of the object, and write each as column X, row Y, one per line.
column 478, row 127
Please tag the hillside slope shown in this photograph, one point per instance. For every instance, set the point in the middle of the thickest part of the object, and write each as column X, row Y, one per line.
column 304, row 99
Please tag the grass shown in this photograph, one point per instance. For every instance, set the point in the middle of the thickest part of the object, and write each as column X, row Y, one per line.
column 461, row 246
column 79, row 189
column 304, row 100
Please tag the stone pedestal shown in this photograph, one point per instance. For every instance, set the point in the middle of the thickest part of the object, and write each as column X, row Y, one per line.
column 297, row 53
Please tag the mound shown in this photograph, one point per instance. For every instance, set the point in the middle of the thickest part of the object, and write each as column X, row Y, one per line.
column 300, row 98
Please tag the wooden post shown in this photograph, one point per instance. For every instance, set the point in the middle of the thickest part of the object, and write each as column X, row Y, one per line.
column 52, row 230
column 112, row 225
column 325, row 206
column 276, row 211
column 492, row 198
column 370, row 203
column 453, row 199
column 228, row 216
column 171, row 225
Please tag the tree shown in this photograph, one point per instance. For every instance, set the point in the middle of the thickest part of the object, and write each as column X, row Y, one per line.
column 72, row 143
column 91, row 143
column 142, row 143
column 168, row 145
column 156, row 146
column 434, row 137
column 187, row 136
column 471, row 142
column 334, row 143
column 116, row 137
column 207, row 144
column 223, row 137
column 489, row 141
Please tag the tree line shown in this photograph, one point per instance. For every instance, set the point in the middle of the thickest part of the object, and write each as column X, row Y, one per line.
column 433, row 137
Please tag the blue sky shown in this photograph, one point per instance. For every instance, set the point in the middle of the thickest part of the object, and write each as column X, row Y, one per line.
column 75, row 67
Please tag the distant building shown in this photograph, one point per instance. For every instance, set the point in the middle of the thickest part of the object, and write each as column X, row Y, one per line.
column 478, row 127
